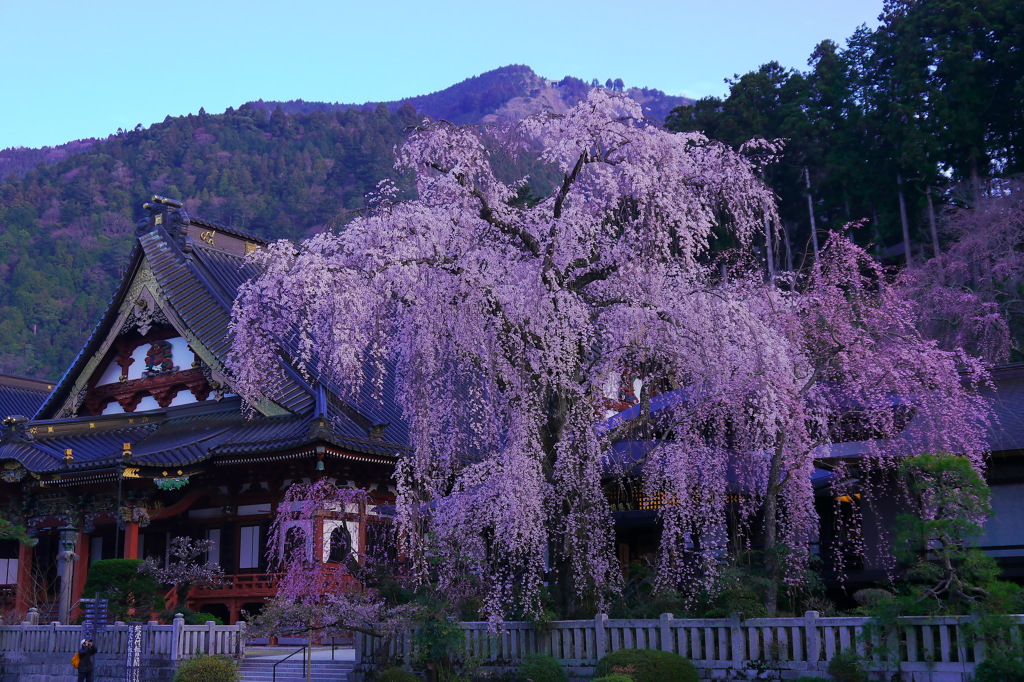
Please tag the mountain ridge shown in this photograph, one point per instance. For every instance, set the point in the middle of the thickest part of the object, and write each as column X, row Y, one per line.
column 67, row 212
column 506, row 93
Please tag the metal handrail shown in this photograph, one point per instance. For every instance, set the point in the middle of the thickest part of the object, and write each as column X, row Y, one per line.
column 301, row 648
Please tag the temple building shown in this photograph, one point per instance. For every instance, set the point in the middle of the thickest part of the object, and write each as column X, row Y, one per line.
column 142, row 439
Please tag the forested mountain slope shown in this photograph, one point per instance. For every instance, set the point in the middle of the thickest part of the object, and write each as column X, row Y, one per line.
column 66, row 228
column 67, row 213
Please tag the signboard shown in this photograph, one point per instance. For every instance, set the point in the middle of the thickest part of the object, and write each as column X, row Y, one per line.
column 133, row 653
column 95, row 616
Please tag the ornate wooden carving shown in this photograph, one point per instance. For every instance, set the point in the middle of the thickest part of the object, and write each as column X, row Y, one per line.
column 163, row 387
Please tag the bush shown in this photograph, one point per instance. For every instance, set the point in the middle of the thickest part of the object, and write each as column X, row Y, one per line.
column 208, row 669
column 438, row 643
column 614, row 677
column 645, row 665
column 1000, row 669
column 201, row 618
column 119, row 581
column 846, row 666
column 541, row 668
column 396, row 675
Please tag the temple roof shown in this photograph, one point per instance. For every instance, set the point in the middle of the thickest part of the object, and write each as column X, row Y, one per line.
column 22, row 396
column 187, row 271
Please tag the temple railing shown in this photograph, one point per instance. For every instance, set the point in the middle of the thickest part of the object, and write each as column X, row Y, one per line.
column 174, row 642
column 936, row 649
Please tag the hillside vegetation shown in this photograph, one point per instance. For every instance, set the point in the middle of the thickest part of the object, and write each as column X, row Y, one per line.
column 279, row 170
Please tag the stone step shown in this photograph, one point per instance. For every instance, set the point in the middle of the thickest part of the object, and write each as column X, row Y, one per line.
column 286, row 676
column 255, row 670
column 290, row 671
column 295, row 674
column 317, row 665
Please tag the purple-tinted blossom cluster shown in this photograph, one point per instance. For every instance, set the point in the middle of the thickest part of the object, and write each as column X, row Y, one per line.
column 970, row 292
column 505, row 323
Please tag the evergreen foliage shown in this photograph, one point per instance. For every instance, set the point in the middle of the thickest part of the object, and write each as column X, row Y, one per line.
column 11, row 531
column 926, row 106
column 127, row 591
column 541, row 668
column 1000, row 669
column 847, row 666
column 208, row 669
column 395, row 675
column 647, row 665
column 66, row 229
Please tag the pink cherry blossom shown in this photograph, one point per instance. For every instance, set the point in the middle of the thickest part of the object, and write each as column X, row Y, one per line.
column 505, row 323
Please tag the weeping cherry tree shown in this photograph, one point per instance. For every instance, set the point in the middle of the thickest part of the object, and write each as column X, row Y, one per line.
column 505, row 323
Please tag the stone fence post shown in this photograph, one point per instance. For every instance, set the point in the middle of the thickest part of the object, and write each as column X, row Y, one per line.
column 600, row 636
column 736, row 640
column 240, row 642
column 177, row 629
column 812, row 640
column 665, row 630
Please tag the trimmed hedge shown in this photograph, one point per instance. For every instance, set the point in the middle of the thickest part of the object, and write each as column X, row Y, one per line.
column 541, row 668
column 847, row 666
column 614, row 677
column 647, row 665
column 396, row 675
column 208, row 669
column 1000, row 669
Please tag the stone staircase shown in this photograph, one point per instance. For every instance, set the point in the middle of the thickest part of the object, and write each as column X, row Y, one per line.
column 261, row 669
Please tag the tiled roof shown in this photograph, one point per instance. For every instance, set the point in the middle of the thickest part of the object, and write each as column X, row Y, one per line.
column 89, row 449
column 179, row 437
column 199, row 284
column 1008, row 405
column 21, row 396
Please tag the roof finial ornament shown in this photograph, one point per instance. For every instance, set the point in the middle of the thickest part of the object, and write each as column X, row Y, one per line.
column 173, row 203
column 163, row 211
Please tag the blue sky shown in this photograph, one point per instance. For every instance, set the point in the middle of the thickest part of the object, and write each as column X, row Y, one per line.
column 75, row 69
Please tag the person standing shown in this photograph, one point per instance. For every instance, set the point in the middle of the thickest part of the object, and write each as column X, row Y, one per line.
column 85, row 662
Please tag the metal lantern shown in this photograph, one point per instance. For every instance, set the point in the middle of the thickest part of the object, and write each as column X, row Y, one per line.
column 68, row 538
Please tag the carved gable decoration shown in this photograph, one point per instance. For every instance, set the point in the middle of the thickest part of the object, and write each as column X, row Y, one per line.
column 146, row 371
column 160, row 359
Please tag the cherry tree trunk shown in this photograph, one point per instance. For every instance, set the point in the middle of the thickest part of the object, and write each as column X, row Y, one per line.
column 771, row 535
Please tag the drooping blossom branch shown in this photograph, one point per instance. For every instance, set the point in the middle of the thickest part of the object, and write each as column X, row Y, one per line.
column 504, row 322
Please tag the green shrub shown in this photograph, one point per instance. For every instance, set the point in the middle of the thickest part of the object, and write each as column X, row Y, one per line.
column 119, row 581
column 438, row 643
column 614, row 677
column 541, row 668
column 396, row 675
column 1000, row 669
column 208, row 669
column 847, row 666
column 646, row 665
column 201, row 618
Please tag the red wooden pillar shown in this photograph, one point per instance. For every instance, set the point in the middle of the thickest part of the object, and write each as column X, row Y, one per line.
column 81, row 569
column 23, row 597
column 318, row 539
column 131, row 540
column 361, row 520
